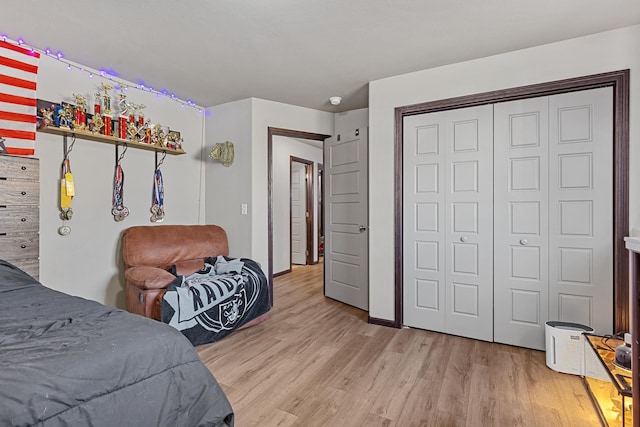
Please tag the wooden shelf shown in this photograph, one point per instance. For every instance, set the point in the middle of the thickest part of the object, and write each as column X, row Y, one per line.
column 96, row 137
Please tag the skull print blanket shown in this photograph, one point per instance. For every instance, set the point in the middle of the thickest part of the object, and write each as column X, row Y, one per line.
column 213, row 302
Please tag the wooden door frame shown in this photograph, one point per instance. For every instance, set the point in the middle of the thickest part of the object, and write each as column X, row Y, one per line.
column 309, row 183
column 271, row 132
column 319, row 172
column 619, row 81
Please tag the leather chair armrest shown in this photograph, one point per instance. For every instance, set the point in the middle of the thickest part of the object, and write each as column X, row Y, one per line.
column 148, row 277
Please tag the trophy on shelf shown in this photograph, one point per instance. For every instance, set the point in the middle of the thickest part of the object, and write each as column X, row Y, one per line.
column 139, row 109
column 97, row 123
column 123, row 110
column 64, row 116
column 80, row 119
column 46, row 119
column 159, row 135
column 106, row 99
column 132, row 127
column 141, row 124
column 174, row 140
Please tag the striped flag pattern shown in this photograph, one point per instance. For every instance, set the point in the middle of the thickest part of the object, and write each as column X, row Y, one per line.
column 18, row 73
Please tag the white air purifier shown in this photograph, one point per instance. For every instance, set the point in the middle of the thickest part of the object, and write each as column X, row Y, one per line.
column 564, row 344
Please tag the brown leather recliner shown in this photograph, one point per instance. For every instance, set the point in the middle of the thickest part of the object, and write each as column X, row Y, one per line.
column 149, row 251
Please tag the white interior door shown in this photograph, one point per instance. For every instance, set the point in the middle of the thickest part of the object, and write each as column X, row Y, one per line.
column 448, row 221
column 346, row 214
column 521, row 222
column 298, row 214
column 553, row 216
column 424, row 207
column 581, row 214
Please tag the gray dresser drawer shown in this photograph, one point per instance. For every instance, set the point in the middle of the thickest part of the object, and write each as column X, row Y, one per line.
column 19, row 246
column 19, row 219
column 19, row 192
column 15, row 167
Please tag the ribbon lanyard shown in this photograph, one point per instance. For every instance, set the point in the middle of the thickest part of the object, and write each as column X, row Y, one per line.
column 118, row 209
column 157, row 200
column 67, row 190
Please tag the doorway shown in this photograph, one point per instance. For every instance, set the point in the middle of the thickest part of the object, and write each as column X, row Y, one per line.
column 272, row 133
column 301, row 217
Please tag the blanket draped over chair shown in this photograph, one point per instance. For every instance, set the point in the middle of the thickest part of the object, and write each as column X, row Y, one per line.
column 211, row 303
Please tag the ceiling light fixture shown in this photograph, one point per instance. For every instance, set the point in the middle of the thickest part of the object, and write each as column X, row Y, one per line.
column 335, row 100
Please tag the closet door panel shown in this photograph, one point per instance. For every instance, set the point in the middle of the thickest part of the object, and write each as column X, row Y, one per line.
column 468, row 222
column 521, row 146
column 423, row 224
column 581, row 225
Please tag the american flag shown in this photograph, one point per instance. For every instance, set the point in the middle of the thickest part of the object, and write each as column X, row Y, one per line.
column 18, row 72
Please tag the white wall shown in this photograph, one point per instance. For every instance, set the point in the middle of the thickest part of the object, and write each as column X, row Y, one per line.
column 348, row 121
column 274, row 114
column 283, row 149
column 608, row 51
column 88, row 262
column 228, row 188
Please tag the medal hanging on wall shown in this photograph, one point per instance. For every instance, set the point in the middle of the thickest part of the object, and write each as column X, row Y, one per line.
column 119, row 210
column 157, row 199
column 67, row 191
column 157, row 207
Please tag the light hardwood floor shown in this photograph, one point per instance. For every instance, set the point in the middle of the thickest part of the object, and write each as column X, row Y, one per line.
column 317, row 362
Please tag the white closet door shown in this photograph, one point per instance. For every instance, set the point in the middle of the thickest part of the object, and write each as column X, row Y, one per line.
column 448, row 222
column 521, row 222
column 581, row 214
column 424, row 188
column 469, row 222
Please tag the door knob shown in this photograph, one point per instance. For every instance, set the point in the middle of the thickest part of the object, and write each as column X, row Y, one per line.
column 362, row 228
column 463, row 239
column 524, row 242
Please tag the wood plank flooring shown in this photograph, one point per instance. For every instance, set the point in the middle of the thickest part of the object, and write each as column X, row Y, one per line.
column 317, row 362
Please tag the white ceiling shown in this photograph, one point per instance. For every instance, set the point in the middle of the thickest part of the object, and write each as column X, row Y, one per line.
column 299, row 52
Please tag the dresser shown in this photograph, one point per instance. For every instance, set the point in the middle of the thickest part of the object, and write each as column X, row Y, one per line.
column 19, row 212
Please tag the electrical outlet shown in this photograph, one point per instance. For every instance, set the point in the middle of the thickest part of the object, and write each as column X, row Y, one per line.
column 244, row 208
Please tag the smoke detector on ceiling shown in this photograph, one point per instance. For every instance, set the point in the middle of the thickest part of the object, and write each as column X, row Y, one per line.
column 335, row 100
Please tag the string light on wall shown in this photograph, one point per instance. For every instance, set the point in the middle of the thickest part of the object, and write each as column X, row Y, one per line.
column 111, row 75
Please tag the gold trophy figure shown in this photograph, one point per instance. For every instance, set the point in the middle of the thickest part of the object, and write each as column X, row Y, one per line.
column 65, row 115
column 80, row 118
column 106, row 99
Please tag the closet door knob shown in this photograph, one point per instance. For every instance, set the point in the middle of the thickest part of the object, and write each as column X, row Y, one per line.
column 463, row 239
column 524, row 242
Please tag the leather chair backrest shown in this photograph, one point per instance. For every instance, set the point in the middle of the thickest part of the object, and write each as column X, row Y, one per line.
column 166, row 245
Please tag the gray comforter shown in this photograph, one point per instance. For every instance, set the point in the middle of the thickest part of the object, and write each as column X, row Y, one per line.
column 68, row 361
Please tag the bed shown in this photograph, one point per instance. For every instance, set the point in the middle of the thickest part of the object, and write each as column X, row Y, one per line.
column 69, row 361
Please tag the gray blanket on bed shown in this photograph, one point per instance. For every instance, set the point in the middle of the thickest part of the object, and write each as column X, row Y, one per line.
column 68, row 361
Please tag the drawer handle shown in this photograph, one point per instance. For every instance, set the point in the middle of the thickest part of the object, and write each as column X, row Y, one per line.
column 24, row 168
column 24, row 193
column 23, row 219
column 23, row 246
